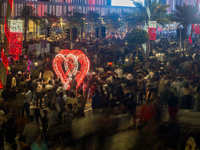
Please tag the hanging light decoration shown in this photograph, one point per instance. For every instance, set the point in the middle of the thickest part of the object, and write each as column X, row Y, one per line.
column 71, row 60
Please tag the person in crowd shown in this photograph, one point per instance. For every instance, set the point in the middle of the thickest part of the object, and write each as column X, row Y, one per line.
column 27, row 101
column 66, row 95
column 39, row 144
column 96, row 102
column 10, row 132
column 74, row 83
column 61, row 102
column 172, row 107
column 148, row 112
column 3, row 119
column 82, row 99
column 72, row 99
column 188, row 96
column 149, row 93
column 14, row 81
column 31, row 131
column 48, row 98
column 22, row 142
column 39, row 92
column 129, row 76
column 45, row 121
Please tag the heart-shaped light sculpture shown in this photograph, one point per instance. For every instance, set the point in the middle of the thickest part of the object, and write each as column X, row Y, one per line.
column 72, row 61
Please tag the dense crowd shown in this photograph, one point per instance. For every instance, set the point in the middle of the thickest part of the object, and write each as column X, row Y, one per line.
column 115, row 95
column 128, row 105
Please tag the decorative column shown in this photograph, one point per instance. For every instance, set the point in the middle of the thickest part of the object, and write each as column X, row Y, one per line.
column 6, row 40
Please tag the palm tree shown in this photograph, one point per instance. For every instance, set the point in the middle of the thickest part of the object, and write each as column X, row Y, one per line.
column 113, row 21
column 52, row 21
column 75, row 19
column 27, row 13
column 93, row 18
column 158, row 12
column 186, row 15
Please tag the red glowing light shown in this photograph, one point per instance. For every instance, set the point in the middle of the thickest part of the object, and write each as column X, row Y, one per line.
column 152, row 33
column 10, row 2
column 71, row 60
column 1, row 85
column 197, row 29
column 110, row 63
column 4, row 60
column 15, row 44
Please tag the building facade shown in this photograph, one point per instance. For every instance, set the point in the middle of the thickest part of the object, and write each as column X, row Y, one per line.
column 172, row 3
column 60, row 7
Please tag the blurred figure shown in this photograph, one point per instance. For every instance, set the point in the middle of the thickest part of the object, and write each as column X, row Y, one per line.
column 22, row 142
column 31, row 131
column 82, row 99
column 39, row 144
column 172, row 107
column 74, row 84
column 96, row 102
column 148, row 112
column 188, row 96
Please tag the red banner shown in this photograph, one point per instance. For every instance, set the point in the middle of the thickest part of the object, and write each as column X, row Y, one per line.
column 4, row 60
column 152, row 33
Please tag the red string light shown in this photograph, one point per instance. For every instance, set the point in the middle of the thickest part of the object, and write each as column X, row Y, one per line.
column 71, row 60
column 10, row 2
column 6, row 29
column 1, row 85
column 152, row 33
column 4, row 60
column 197, row 29
column 15, row 44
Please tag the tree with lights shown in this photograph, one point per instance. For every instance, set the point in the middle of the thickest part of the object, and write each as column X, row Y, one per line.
column 137, row 37
column 27, row 13
column 93, row 19
column 158, row 12
column 75, row 19
column 113, row 21
column 52, row 21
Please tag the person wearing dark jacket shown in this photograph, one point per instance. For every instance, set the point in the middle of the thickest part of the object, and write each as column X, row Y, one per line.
column 96, row 102
column 172, row 106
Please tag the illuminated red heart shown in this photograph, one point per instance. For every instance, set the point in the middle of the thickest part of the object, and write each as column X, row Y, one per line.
column 71, row 61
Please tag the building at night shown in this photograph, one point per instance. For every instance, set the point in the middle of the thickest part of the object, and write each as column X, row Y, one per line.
column 60, row 7
column 172, row 3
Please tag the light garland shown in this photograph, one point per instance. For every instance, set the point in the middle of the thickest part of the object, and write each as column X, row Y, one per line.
column 15, row 44
column 1, row 85
column 71, row 60
column 197, row 29
column 10, row 2
column 4, row 60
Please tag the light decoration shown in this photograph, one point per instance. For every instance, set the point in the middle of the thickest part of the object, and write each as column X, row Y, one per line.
column 1, row 85
column 71, row 60
column 4, row 60
column 15, row 38
column 197, row 29
column 10, row 2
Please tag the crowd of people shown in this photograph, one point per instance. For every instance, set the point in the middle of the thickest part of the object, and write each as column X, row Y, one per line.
column 115, row 95
column 128, row 106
